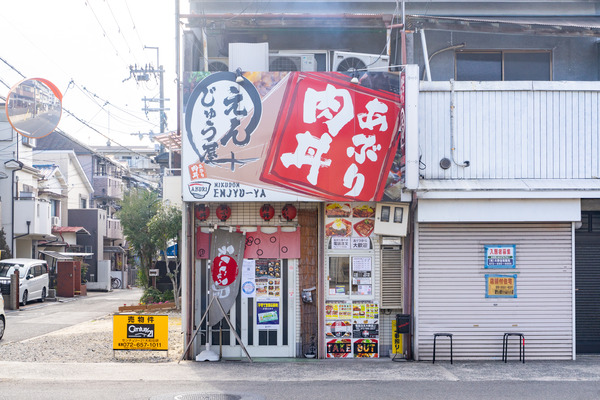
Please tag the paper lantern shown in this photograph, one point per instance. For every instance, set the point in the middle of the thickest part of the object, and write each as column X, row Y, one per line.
column 223, row 212
column 288, row 212
column 202, row 212
column 267, row 212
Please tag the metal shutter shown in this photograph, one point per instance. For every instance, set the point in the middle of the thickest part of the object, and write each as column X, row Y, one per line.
column 450, row 290
column 392, row 263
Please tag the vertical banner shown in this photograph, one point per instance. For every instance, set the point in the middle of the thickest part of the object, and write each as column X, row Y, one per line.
column 227, row 252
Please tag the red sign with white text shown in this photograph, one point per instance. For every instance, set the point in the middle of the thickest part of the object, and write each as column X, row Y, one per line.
column 294, row 136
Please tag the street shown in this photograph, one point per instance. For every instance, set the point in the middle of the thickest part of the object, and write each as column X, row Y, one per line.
column 134, row 378
column 37, row 319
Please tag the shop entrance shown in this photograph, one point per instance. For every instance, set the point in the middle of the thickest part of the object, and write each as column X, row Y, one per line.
column 265, row 322
column 587, row 283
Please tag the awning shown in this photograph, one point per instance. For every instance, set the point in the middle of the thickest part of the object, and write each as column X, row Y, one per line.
column 114, row 249
column 65, row 256
column 509, row 188
column 70, row 229
column 554, row 26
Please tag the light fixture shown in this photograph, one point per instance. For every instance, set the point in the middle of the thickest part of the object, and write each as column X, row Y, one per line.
column 239, row 78
column 354, row 77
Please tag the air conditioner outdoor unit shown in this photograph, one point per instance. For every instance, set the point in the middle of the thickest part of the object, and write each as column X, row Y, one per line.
column 55, row 221
column 346, row 61
column 292, row 62
column 216, row 64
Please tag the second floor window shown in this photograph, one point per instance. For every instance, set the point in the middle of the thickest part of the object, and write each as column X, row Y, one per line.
column 503, row 65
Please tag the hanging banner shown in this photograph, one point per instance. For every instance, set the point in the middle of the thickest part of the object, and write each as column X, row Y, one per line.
column 294, row 136
column 227, row 253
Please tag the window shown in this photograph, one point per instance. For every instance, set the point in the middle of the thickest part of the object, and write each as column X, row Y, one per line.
column 350, row 275
column 83, row 203
column 55, row 208
column 503, row 65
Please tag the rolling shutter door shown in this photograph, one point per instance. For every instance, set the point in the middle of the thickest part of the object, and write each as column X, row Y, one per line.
column 451, row 289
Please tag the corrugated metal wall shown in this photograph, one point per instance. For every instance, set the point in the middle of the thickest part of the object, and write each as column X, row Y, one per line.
column 450, row 291
column 518, row 130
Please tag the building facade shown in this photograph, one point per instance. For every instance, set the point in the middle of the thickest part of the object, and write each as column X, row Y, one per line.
column 496, row 177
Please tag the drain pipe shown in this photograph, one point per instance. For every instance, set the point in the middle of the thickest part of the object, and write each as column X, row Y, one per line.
column 425, row 56
column 457, row 46
column 452, row 107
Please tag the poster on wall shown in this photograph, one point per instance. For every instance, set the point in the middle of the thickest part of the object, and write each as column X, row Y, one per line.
column 248, row 279
column 349, row 225
column 268, row 277
column 293, row 136
column 500, row 256
column 501, row 285
column 267, row 314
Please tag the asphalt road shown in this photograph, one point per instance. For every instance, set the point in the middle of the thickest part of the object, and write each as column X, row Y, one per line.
column 37, row 319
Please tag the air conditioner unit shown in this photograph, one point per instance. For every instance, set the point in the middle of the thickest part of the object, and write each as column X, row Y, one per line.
column 55, row 221
column 292, row 62
column 216, row 64
column 346, row 61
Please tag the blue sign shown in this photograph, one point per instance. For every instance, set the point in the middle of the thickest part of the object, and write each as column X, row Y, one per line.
column 500, row 256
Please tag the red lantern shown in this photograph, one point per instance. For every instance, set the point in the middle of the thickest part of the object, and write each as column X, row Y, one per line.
column 267, row 212
column 202, row 212
column 223, row 212
column 288, row 212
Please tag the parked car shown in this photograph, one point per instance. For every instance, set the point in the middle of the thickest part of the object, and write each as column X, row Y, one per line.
column 2, row 317
column 33, row 277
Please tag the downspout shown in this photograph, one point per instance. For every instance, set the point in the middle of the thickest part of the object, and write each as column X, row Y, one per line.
column 425, row 56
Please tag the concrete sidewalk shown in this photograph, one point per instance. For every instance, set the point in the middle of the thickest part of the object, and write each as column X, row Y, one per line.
column 585, row 368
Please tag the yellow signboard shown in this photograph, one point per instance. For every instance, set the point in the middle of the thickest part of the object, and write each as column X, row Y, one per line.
column 397, row 340
column 501, row 285
column 140, row 332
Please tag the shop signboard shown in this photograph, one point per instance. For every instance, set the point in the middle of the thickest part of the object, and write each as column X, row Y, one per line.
column 500, row 285
column 140, row 332
column 500, row 256
column 293, row 136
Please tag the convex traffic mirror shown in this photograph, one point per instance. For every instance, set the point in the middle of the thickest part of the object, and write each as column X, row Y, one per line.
column 34, row 107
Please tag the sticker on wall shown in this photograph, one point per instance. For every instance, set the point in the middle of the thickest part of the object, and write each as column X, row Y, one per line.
column 500, row 256
column 365, row 348
column 339, row 348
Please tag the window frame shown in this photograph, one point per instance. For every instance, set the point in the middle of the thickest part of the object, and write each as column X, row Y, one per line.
column 503, row 53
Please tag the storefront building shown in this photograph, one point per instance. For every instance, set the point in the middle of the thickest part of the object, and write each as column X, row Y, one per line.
column 295, row 186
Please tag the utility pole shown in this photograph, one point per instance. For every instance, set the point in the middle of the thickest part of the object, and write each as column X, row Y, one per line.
column 142, row 74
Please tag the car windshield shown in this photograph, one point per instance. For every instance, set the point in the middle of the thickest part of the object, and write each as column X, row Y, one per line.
column 8, row 269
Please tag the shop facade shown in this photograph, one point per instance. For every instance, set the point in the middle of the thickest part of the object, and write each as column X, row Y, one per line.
column 294, row 187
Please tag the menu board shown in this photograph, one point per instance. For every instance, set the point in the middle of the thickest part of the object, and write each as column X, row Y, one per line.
column 268, row 278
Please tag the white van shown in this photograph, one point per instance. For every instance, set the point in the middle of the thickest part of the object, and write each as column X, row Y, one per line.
column 2, row 317
column 33, row 277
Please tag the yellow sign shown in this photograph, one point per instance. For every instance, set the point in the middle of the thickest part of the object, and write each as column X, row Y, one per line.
column 140, row 332
column 501, row 285
column 396, row 340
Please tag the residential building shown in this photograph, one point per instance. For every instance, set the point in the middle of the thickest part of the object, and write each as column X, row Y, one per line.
column 94, row 210
column 493, row 189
